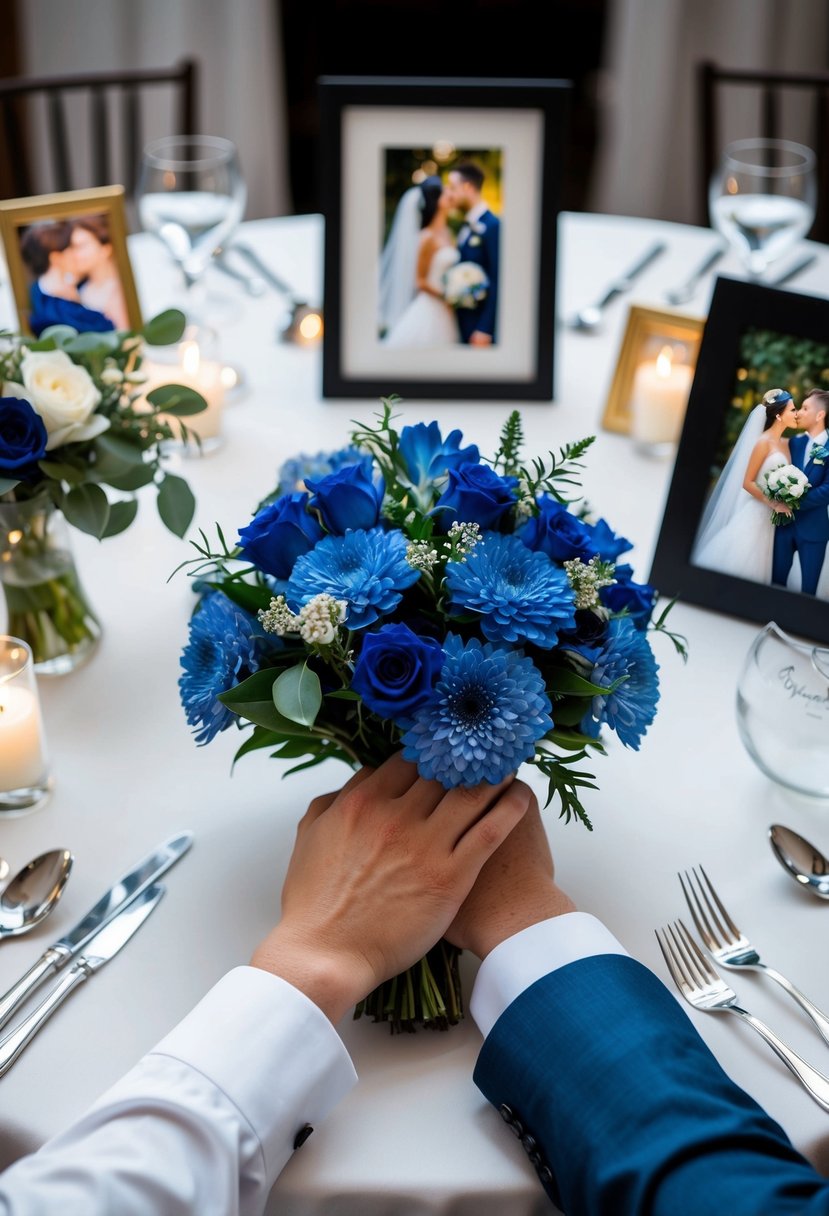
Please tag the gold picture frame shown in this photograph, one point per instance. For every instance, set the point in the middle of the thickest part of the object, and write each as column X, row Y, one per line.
column 59, row 265
column 646, row 332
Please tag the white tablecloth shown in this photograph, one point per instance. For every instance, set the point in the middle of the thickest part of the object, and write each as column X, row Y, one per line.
column 415, row 1136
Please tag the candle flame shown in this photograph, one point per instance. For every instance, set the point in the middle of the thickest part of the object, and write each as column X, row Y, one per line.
column 190, row 359
column 15, row 537
column 311, row 326
column 664, row 361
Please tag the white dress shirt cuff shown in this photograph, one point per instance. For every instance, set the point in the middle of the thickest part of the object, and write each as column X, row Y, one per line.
column 520, row 960
column 282, row 1063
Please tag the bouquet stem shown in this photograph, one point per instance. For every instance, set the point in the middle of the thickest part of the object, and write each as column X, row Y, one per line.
column 427, row 994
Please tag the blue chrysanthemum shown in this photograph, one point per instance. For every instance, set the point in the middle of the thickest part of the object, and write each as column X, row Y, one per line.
column 521, row 596
column 367, row 569
column 488, row 710
column 625, row 655
column 220, row 651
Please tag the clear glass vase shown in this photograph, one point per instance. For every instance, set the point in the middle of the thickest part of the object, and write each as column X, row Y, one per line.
column 47, row 606
column 783, row 710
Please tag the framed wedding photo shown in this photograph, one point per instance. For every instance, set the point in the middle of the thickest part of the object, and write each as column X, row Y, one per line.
column 763, row 352
column 654, row 370
column 441, row 198
column 68, row 260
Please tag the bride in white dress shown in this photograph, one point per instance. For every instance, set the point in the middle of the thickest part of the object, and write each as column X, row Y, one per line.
column 419, row 251
column 736, row 535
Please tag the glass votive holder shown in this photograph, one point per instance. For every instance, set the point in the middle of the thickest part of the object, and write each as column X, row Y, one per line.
column 193, row 362
column 659, row 395
column 25, row 783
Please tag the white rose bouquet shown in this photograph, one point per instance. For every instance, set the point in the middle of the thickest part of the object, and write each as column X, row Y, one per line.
column 75, row 418
column 786, row 484
column 465, row 284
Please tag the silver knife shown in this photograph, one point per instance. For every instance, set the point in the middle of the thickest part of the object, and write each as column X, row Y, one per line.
column 100, row 948
column 118, row 896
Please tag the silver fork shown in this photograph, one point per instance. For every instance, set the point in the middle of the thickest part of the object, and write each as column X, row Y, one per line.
column 731, row 948
column 701, row 987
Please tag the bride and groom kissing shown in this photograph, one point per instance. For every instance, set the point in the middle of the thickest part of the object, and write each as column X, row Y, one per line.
column 420, row 255
column 737, row 535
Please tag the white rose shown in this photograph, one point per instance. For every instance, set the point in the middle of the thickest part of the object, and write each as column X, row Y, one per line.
column 796, row 490
column 64, row 395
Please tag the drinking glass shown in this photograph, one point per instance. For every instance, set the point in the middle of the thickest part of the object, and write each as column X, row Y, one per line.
column 192, row 195
column 783, row 710
column 762, row 199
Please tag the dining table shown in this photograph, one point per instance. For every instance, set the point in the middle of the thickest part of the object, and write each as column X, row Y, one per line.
column 415, row 1137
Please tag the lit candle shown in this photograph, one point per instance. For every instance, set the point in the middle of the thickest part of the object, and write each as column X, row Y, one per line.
column 22, row 758
column 658, row 399
column 206, row 376
column 23, row 771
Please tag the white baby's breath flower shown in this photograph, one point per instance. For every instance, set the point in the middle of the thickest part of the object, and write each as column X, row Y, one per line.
column 421, row 555
column 112, row 375
column 587, row 578
column 320, row 618
column 277, row 617
column 463, row 537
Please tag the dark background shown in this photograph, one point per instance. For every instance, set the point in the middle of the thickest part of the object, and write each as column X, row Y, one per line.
column 497, row 38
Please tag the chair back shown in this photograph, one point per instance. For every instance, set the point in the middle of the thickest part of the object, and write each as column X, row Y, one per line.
column 737, row 103
column 91, row 127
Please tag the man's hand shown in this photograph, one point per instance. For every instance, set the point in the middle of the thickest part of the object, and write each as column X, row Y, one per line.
column 377, row 873
column 516, row 888
column 479, row 338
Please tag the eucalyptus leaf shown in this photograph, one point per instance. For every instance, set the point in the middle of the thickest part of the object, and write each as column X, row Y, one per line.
column 121, row 515
column 165, row 328
column 119, row 448
column 61, row 470
column 87, row 508
column 132, row 479
column 253, row 700
column 297, row 694
column 177, row 399
column 59, row 334
column 6, row 484
column 93, row 343
column 176, row 504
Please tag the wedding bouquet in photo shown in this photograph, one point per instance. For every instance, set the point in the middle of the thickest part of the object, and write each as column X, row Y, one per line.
column 465, row 284
column 787, row 484
column 409, row 594
column 73, row 420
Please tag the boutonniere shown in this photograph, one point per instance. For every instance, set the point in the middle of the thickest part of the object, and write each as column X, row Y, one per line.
column 819, row 454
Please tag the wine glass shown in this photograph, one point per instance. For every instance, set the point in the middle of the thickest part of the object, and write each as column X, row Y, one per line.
column 192, row 195
column 762, row 199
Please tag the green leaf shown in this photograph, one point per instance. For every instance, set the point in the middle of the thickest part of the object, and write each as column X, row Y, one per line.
column 41, row 344
column 569, row 713
column 92, row 344
column 253, row 700
column 165, row 328
column 63, row 471
column 258, row 739
column 132, row 479
column 59, row 334
column 121, row 515
column 177, row 399
column 297, row 694
column 343, row 694
column 87, row 508
column 119, row 449
column 6, row 484
column 176, row 504
column 568, row 683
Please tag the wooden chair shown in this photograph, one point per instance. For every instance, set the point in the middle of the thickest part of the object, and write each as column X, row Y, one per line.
column 771, row 92
column 114, row 123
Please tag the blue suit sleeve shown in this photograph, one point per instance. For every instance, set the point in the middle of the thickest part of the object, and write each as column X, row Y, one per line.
column 627, row 1110
column 485, row 321
column 818, row 495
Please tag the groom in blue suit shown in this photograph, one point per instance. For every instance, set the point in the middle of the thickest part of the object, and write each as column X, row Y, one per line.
column 478, row 242
column 808, row 532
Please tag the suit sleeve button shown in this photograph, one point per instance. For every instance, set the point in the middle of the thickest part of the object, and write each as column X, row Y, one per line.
column 302, row 1135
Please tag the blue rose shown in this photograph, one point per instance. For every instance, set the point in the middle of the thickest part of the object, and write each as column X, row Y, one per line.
column 636, row 599
column 563, row 536
column 396, row 671
column 279, row 534
column 23, row 437
column 476, row 494
column 428, row 456
column 557, row 532
column 348, row 498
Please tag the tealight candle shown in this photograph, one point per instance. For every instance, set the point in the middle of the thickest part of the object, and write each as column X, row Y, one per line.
column 658, row 399
column 24, row 779
column 194, row 370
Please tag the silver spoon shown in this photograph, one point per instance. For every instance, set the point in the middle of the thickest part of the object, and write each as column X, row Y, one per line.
column 802, row 860
column 32, row 894
column 590, row 318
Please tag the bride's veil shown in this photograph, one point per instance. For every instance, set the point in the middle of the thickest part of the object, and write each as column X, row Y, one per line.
column 729, row 488
column 398, row 261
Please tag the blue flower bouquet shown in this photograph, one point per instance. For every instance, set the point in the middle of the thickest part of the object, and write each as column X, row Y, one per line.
column 406, row 594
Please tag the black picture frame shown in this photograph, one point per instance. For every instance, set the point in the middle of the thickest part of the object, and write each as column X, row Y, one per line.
column 736, row 307
column 530, row 112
